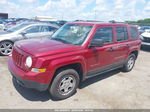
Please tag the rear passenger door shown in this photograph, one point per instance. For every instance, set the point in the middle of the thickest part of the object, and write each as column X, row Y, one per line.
column 122, row 47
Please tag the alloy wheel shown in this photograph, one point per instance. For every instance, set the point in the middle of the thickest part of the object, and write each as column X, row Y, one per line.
column 6, row 48
column 67, row 85
column 130, row 63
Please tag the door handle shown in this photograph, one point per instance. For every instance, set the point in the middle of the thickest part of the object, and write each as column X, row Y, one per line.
column 127, row 45
column 110, row 49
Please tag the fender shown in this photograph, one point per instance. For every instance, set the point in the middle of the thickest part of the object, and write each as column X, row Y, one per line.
column 7, row 40
column 57, row 63
column 135, row 46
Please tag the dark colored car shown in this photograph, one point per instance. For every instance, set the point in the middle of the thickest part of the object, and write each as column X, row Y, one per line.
column 77, row 51
column 61, row 22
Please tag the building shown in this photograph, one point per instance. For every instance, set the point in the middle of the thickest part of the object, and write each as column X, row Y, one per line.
column 45, row 18
column 4, row 15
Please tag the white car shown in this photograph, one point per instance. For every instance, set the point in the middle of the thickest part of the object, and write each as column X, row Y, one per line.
column 1, row 26
column 27, row 30
column 145, row 37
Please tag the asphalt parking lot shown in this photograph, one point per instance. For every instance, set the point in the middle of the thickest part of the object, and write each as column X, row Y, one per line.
column 111, row 90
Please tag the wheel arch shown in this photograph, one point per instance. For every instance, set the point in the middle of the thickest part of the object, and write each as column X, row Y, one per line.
column 135, row 52
column 78, row 64
column 7, row 41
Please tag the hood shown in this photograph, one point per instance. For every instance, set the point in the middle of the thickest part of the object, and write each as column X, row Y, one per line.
column 146, row 34
column 43, row 47
column 4, row 33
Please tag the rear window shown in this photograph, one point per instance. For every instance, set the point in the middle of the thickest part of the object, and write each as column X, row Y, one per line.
column 133, row 33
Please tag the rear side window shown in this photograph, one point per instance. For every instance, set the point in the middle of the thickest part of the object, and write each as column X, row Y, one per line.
column 121, row 34
column 105, row 33
column 48, row 29
column 133, row 33
column 33, row 29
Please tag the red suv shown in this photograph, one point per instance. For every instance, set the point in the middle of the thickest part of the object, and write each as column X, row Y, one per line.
column 77, row 51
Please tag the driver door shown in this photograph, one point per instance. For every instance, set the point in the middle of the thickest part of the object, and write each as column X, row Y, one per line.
column 32, row 32
column 100, row 59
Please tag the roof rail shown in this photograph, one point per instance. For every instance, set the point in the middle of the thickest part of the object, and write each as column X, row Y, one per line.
column 113, row 21
column 88, row 21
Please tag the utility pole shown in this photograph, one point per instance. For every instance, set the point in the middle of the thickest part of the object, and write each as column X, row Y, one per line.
column 62, row 17
column 95, row 15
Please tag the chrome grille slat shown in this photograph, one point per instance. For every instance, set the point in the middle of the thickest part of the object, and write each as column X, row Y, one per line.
column 18, row 58
column 146, row 39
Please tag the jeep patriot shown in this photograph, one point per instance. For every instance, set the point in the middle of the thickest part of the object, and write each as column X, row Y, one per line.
column 77, row 51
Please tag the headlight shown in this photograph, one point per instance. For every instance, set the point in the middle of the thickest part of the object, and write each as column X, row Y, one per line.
column 141, row 37
column 29, row 61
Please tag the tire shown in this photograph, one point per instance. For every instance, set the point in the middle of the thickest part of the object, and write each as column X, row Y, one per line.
column 128, row 66
column 6, row 48
column 64, row 84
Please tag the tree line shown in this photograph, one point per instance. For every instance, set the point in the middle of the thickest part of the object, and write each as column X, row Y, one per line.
column 140, row 22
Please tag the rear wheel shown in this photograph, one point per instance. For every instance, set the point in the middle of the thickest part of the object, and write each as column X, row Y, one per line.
column 128, row 66
column 6, row 48
column 64, row 84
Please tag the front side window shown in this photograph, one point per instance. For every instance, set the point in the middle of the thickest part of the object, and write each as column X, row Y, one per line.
column 104, row 33
column 133, row 33
column 33, row 29
column 121, row 34
column 72, row 34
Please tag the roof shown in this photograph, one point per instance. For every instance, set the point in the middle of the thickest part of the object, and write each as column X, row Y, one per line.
column 39, row 23
column 100, row 23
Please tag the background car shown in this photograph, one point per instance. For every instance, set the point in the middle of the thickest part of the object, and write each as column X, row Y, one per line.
column 2, row 22
column 143, row 28
column 24, row 31
column 14, row 21
column 145, row 37
column 61, row 22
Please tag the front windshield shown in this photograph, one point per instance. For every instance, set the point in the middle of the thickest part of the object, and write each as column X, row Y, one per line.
column 72, row 34
column 16, row 27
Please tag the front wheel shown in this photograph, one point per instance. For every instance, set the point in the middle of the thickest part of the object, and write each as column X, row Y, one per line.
column 128, row 66
column 6, row 48
column 64, row 84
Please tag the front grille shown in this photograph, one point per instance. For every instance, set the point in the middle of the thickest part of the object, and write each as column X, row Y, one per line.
column 146, row 39
column 18, row 58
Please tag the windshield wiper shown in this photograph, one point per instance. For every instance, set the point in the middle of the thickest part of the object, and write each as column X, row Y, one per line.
column 61, row 40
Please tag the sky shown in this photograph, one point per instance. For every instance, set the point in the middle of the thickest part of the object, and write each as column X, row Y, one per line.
column 100, row 10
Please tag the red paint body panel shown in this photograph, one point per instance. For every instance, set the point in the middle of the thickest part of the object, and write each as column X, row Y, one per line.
column 52, row 55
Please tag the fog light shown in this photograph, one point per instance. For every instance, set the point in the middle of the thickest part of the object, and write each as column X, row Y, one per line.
column 38, row 70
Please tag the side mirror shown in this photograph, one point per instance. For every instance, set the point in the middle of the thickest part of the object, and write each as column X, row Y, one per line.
column 96, row 43
column 23, row 33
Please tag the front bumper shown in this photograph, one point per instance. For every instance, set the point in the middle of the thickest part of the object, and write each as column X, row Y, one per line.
column 26, row 79
column 30, row 84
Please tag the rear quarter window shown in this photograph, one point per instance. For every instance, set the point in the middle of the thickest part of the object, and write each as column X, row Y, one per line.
column 133, row 33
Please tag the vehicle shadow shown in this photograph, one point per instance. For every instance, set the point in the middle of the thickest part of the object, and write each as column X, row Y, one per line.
column 30, row 94
column 145, row 48
column 97, row 78
column 34, row 95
